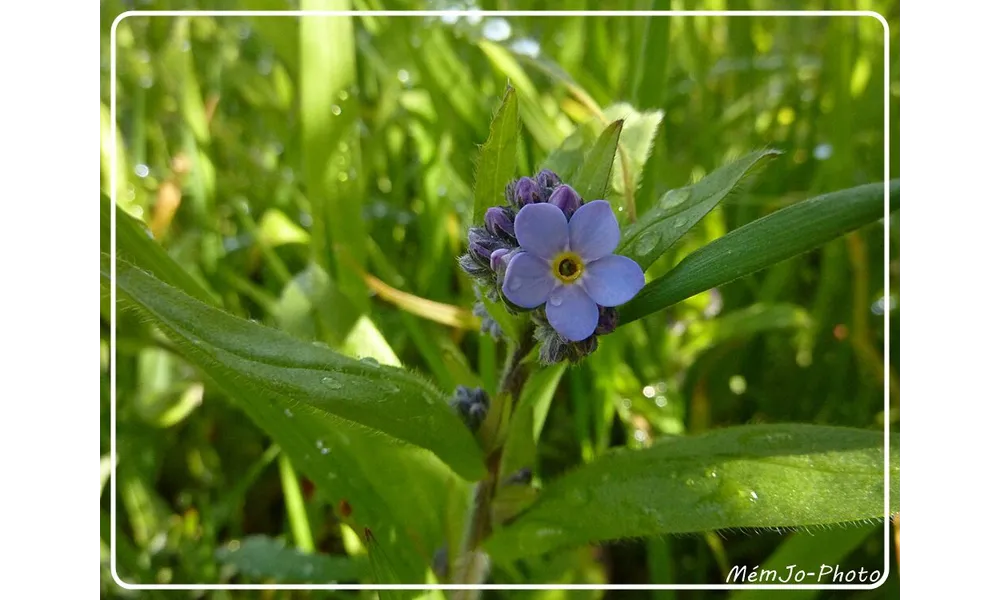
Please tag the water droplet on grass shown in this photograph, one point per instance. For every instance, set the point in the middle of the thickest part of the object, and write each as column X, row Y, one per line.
column 332, row 383
column 335, row 109
column 288, row 413
column 647, row 242
column 371, row 362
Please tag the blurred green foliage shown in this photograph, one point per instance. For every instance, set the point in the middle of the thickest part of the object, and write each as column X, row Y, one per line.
column 317, row 175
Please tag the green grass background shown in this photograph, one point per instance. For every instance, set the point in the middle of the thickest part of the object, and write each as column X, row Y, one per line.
column 258, row 150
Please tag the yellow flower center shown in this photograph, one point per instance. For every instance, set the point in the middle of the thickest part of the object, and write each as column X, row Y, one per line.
column 567, row 267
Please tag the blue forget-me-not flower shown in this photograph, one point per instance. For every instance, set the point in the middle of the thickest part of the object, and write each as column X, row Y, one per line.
column 550, row 253
column 568, row 265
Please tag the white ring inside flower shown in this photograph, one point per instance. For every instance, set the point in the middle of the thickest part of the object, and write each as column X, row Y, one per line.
column 567, row 267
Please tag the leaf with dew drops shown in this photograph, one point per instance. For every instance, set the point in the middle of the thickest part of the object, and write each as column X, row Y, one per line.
column 260, row 364
column 679, row 210
column 779, row 236
column 748, row 476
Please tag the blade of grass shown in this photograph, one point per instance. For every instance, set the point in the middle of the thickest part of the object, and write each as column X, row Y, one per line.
column 781, row 235
column 329, row 110
column 298, row 520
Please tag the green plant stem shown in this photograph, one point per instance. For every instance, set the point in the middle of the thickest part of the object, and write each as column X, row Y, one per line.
column 298, row 520
column 473, row 565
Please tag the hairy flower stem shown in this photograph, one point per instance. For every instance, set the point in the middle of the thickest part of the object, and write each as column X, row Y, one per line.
column 473, row 564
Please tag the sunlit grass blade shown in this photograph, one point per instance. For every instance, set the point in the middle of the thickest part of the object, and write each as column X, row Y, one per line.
column 498, row 157
column 679, row 210
column 740, row 477
column 277, row 369
column 298, row 519
column 450, row 79
column 276, row 229
column 743, row 323
column 281, row 33
column 445, row 314
column 107, row 142
column 650, row 78
column 781, row 235
column 310, row 307
column 331, row 158
column 365, row 339
column 545, row 128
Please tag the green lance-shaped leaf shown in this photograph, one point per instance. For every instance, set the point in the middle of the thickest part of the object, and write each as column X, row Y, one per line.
column 498, row 157
column 277, row 369
column 679, row 210
column 594, row 175
column 778, row 236
column 749, row 476
column 134, row 243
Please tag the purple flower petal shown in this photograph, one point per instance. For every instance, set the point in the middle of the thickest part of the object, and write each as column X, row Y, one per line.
column 541, row 229
column 571, row 312
column 528, row 280
column 497, row 256
column 593, row 230
column 566, row 199
column 613, row 280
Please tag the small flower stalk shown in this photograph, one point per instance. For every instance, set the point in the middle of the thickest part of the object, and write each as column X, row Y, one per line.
column 549, row 253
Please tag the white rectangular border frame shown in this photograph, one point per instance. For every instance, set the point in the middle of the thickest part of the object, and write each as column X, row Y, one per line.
column 508, row 13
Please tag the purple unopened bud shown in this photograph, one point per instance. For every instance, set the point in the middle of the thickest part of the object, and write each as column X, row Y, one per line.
column 481, row 243
column 472, row 264
column 472, row 405
column 580, row 350
column 607, row 320
column 521, row 476
column 547, row 179
column 496, row 258
column 566, row 199
column 497, row 222
column 526, row 191
column 479, row 249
